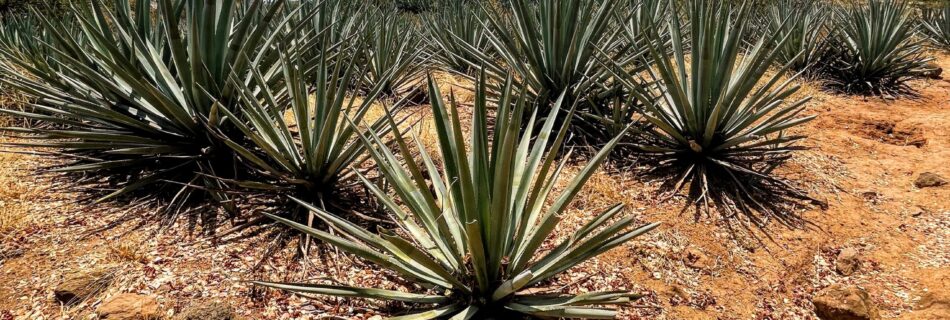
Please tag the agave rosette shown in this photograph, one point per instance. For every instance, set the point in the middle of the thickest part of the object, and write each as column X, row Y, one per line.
column 393, row 51
column 875, row 48
column 138, row 93
column 299, row 136
column 804, row 23
column 718, row 124
column 453, row 30
column 551, row 46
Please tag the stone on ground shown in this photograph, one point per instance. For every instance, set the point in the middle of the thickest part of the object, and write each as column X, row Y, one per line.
column 209, row 311
column 848, row 261
column 840, row 302
column 130, row 306
column 928, row 180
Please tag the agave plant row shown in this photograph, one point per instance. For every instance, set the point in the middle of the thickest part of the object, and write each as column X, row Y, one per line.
column 864, row 48
column 189, row 102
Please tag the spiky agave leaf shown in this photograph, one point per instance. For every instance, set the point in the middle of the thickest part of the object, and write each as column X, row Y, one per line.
column 936, row 25
column 718, row 121
column 875, row 48
column 453, row 29
column 804, row 22
column 140, row 92
column 475, row 230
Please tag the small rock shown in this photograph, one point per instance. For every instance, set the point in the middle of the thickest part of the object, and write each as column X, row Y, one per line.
column 848, row 261
column 211, row 311
column 838, row 302
column 80, row 286
column 871, row 196
column 696, row 259
column 129, row 306
column 929, row 179
column 918, row 211
column 678, row 291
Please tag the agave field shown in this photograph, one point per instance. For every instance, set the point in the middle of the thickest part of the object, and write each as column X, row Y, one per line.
column 464, row 159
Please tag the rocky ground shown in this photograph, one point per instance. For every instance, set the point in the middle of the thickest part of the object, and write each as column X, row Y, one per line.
column 879, row 249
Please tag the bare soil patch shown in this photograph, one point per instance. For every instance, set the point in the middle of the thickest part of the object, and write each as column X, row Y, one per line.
column 888, row 132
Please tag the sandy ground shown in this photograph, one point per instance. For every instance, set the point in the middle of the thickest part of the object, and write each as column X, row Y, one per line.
column 866, row 153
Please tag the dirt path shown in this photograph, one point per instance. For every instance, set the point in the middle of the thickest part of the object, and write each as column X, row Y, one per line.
column 866, row 154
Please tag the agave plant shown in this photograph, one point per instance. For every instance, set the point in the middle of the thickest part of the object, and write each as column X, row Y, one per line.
column 455, row 28
column 139, row 93
column 718, row 121
column 393, row 50
column 804, row 23
column 551, row 46
column 474, row 233
column 299, row 136
column 332, row 24
column 612, row 111
column 643, row 15
column 936, row 25
column 24, row 37
column 875, row 49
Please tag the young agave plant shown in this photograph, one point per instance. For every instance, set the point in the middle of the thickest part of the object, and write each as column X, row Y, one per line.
column 718, row 123
column 803, row 22
column 551, row 46
column 875, row 48
column 936, row 25
column 139, row 93
column 312, row 153
column 393, row 51
column 455, row 28
column 474, row 232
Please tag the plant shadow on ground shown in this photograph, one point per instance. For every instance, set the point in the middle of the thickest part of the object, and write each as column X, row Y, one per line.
column 746, row 210
column 352, row 202
column 148, row 211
